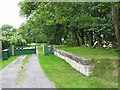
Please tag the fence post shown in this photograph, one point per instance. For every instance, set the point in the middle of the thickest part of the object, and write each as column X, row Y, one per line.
column 43, row 48
column 13, row 52
column 35, row 49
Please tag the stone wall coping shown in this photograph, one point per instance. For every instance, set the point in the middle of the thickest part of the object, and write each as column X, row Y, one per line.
column 79, row 59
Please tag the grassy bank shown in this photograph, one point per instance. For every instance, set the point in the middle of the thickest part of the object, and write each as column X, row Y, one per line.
column 64, row 76
column 89, row 52
column 4, row 63
column 105, row 62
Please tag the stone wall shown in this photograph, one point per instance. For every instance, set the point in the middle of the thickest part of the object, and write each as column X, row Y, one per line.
column 81, row 64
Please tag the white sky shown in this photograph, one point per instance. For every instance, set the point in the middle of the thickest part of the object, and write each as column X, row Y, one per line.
column 9, row 13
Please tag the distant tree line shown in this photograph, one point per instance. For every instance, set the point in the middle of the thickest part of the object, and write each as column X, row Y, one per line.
column 11, row 36
column 92, row 24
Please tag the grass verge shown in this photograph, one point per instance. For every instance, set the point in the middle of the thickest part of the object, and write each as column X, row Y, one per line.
column 26, row 60
column 63, row 75
column 21, row 73
column 4, row 63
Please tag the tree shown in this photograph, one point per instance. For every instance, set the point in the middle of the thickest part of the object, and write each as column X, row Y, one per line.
column 57, row 18
column 7, row 30
column 116, row 21
column 115, row 9
column 73, row 21
column 11, row 36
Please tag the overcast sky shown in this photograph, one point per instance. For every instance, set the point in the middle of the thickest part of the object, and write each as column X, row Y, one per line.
column 9, row 13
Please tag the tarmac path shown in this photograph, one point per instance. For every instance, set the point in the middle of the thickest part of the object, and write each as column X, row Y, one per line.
column 29, row 75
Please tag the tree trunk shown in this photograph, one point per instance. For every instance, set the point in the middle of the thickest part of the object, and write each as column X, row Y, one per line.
column 77, row 38
column 91, row 35
column 99, row 39
column 0, row 48
column 82, row 36
column 83, row 41
column 91, row 43
column 87, row 38
column 115, row 17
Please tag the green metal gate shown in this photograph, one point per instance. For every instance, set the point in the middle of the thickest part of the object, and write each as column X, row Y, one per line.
column 18, row 51
column 24, row 50
column 47, row 50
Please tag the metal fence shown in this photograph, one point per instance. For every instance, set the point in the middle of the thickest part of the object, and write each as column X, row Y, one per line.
column 24, row 50
column 13, row 51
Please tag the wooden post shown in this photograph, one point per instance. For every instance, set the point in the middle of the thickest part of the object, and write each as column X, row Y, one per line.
column 36, row 50
column 43, row 48
column 13, row 52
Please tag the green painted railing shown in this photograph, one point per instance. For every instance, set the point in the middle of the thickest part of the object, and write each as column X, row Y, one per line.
column 18, row 51
column 24, row 50
column 47, row 50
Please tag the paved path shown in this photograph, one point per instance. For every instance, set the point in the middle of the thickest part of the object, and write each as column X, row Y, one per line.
column 28, row 76
column 8, row 74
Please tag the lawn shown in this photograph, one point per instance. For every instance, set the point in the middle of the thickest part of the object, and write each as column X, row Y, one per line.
column 4, row 63
column 105, row 62
column 93, row 53
column 64, row 76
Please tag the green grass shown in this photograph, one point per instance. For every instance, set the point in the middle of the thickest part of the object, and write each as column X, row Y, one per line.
column 105, row 62
column 26, row 60
column 94, row 53
column 4, row 63
column 63, row 75
column 104, row 75
column 20, row 79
